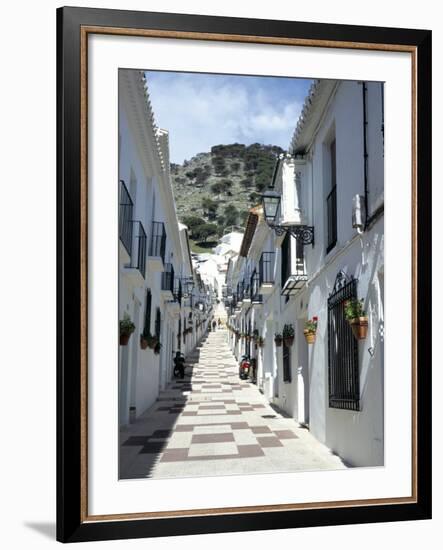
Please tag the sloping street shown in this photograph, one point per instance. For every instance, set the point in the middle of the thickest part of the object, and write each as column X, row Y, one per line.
column 213, row 423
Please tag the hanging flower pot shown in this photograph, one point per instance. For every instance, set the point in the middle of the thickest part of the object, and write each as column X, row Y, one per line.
column 124, row 339
column 310, row 330
column 278, row 339
column 289, row 341
column 359, row 327
column 143, row 342
column 309, row 336
column 157, row 348
column 127, row 327
column 288, row 335
column 356, row 315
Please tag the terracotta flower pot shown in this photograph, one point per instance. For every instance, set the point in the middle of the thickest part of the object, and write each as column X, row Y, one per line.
column 143, row 343
column 359, row 327
column 310, row 336
column 289, row 340
column 278, row 342
column 124, row 339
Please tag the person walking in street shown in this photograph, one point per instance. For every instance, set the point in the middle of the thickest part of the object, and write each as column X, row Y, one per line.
column 219, row 322
column 214, row 325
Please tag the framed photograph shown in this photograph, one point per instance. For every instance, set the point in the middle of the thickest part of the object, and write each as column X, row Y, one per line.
column 244, row 274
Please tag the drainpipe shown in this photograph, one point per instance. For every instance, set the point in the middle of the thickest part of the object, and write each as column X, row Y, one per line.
column 365, row 153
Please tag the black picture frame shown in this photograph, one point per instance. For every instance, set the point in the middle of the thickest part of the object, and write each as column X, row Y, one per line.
column 72, row 524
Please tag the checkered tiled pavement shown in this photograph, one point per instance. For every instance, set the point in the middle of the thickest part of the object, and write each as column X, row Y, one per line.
column 213, row 423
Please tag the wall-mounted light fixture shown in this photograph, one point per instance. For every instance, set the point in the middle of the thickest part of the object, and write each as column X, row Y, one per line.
column 271, row 206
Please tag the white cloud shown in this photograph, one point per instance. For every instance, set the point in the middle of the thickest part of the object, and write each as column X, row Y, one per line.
column 202, row 112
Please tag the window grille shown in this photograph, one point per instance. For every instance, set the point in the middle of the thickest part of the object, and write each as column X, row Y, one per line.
column 287, row 375
column 158, row 323
column 331, row 203
column 343, row 368
column 147, row 327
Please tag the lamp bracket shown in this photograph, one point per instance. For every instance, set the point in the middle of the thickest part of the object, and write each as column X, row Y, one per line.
column 303, row 233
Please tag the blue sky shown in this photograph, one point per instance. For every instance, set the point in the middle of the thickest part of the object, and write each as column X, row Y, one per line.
column 202, row 110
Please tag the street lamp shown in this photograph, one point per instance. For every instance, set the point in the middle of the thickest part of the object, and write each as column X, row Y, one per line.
column 271, row 204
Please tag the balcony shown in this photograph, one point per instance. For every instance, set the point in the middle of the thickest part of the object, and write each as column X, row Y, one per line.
column 240, row 293
column 167, row 282
column 136, row 268
column 256, row 297
column 297, row 280
column 266, row 272
column 157, row 247
column 125, row 221
column 246, row 291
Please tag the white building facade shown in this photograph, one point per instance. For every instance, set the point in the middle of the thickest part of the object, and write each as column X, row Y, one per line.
column 331, row 188
column 158, row 289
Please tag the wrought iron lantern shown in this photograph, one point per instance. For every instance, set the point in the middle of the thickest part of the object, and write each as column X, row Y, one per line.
column 271, row 205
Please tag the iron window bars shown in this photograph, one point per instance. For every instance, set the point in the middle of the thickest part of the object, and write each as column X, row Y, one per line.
column 287, row 374
column 331, row 212
column 343, row 368
column 147, row 326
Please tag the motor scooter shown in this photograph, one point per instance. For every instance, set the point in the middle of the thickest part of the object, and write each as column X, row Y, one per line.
column 244, row 368
column 179, row 365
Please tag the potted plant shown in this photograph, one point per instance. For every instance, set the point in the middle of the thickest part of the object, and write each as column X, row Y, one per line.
column 157, row 348
column 144, row 342
column 152, row 340
column 127, row 327
column 288, row 335
column 357, row 318
column 278, row 339
column 310, row 330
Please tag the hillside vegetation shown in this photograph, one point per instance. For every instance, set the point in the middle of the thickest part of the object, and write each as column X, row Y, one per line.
column 214, row 191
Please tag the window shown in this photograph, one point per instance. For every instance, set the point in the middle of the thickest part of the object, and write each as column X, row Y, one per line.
column 343, row 370
column 299, row 258
column 287, row 376
column 158, row 323
column 331, row 201
column 147, row 327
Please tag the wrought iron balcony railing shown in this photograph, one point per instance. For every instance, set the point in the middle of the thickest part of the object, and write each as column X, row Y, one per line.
column 157, row 246
column 266, row 268
column 256, row 297
column 138, row 248
column 125, row 216
column 167, row 282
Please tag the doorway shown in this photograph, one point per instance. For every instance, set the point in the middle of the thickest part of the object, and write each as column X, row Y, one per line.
column 303, row 393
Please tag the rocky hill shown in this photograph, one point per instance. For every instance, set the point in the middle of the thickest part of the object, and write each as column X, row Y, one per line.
column 214, row 191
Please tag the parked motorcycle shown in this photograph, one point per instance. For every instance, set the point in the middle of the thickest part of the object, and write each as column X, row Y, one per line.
column 244, row 368
column 179, row 365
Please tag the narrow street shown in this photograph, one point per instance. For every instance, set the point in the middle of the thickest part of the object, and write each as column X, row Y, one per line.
column 213, row 423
